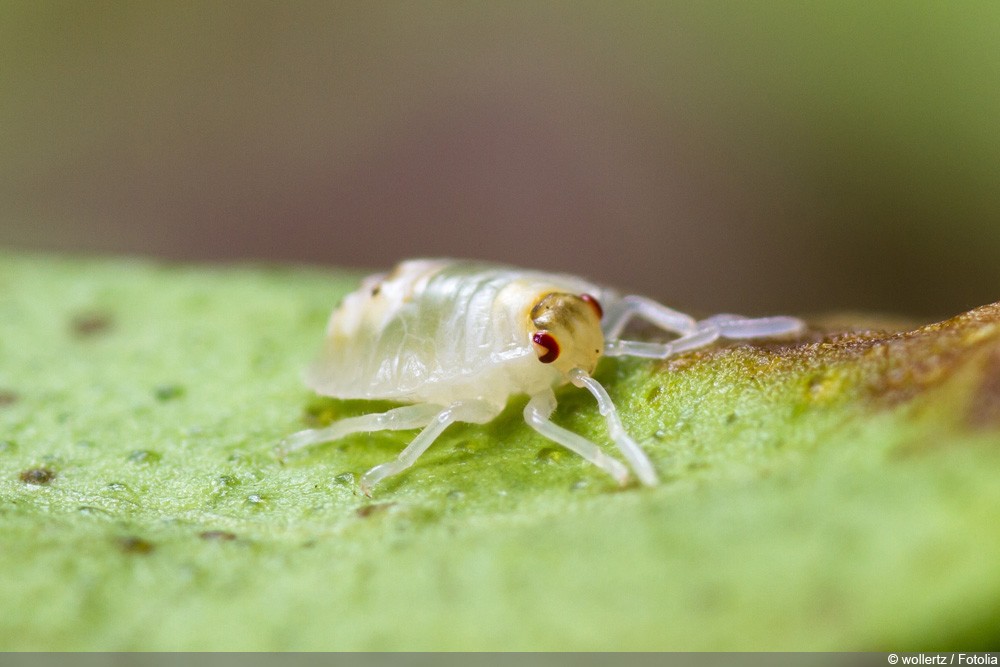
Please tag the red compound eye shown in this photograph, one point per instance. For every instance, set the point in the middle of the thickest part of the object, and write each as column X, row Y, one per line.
column 593, row 303
column 546, row 347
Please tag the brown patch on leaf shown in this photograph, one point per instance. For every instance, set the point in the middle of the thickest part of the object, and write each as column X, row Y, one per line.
column 886, row 365
column 893, row 367
column 984, row 404
column 8, row 397
column 915, row 361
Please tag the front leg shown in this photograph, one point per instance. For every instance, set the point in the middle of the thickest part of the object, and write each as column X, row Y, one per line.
column 737, row 327
column 624, row 310
column 693, row 334
column 537, row 414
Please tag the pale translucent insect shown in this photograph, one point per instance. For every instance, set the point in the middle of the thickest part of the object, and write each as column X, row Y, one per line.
column 456, row 340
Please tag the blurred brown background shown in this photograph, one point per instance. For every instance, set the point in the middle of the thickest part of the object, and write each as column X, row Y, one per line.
column 749, row 156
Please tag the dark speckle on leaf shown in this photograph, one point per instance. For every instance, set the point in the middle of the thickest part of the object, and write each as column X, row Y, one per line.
column 89, row 510
column 463, row 446
column 8, row 397
column 225, row 481
column 344, row 479
column 134, row 545
column 144, row 456
column 168, row 392
column 89, row 324
column 37, row 476
column 217, row 535
column 550, row 455
column 375, row 508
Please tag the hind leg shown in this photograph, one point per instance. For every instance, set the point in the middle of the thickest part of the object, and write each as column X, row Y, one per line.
column 467, row 411
column 397, row 419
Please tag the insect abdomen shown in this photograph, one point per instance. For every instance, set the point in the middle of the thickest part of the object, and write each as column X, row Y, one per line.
column 427, row 326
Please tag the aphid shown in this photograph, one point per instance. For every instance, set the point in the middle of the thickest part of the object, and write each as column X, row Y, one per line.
column 456, row 340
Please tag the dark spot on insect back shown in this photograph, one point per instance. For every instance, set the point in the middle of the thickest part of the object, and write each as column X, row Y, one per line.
column 8, row 397
column 37, row 476
column 90, row 324
column 131, row 544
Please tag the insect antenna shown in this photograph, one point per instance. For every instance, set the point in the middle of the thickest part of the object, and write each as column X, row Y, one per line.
column 629, row 448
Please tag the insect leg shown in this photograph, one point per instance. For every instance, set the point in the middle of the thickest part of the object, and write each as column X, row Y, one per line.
column 621, row 312
column 471, row 411
column 537, row 413
column 405, row 417
column 739, row 327
column 629, row 448
column 734, row 327
column 700, row 334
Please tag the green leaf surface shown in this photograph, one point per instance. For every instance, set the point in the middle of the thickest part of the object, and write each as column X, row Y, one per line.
column 836, row 492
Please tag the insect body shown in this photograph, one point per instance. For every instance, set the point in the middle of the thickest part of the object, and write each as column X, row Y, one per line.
column 456, row 340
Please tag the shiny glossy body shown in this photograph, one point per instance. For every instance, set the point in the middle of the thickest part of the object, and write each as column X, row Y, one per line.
column 456, row 340
column 434, row 331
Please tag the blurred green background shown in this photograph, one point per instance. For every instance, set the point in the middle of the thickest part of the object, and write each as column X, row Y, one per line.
column 747, row 156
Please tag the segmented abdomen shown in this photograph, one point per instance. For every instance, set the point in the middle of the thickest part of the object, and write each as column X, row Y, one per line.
column 431, row 326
